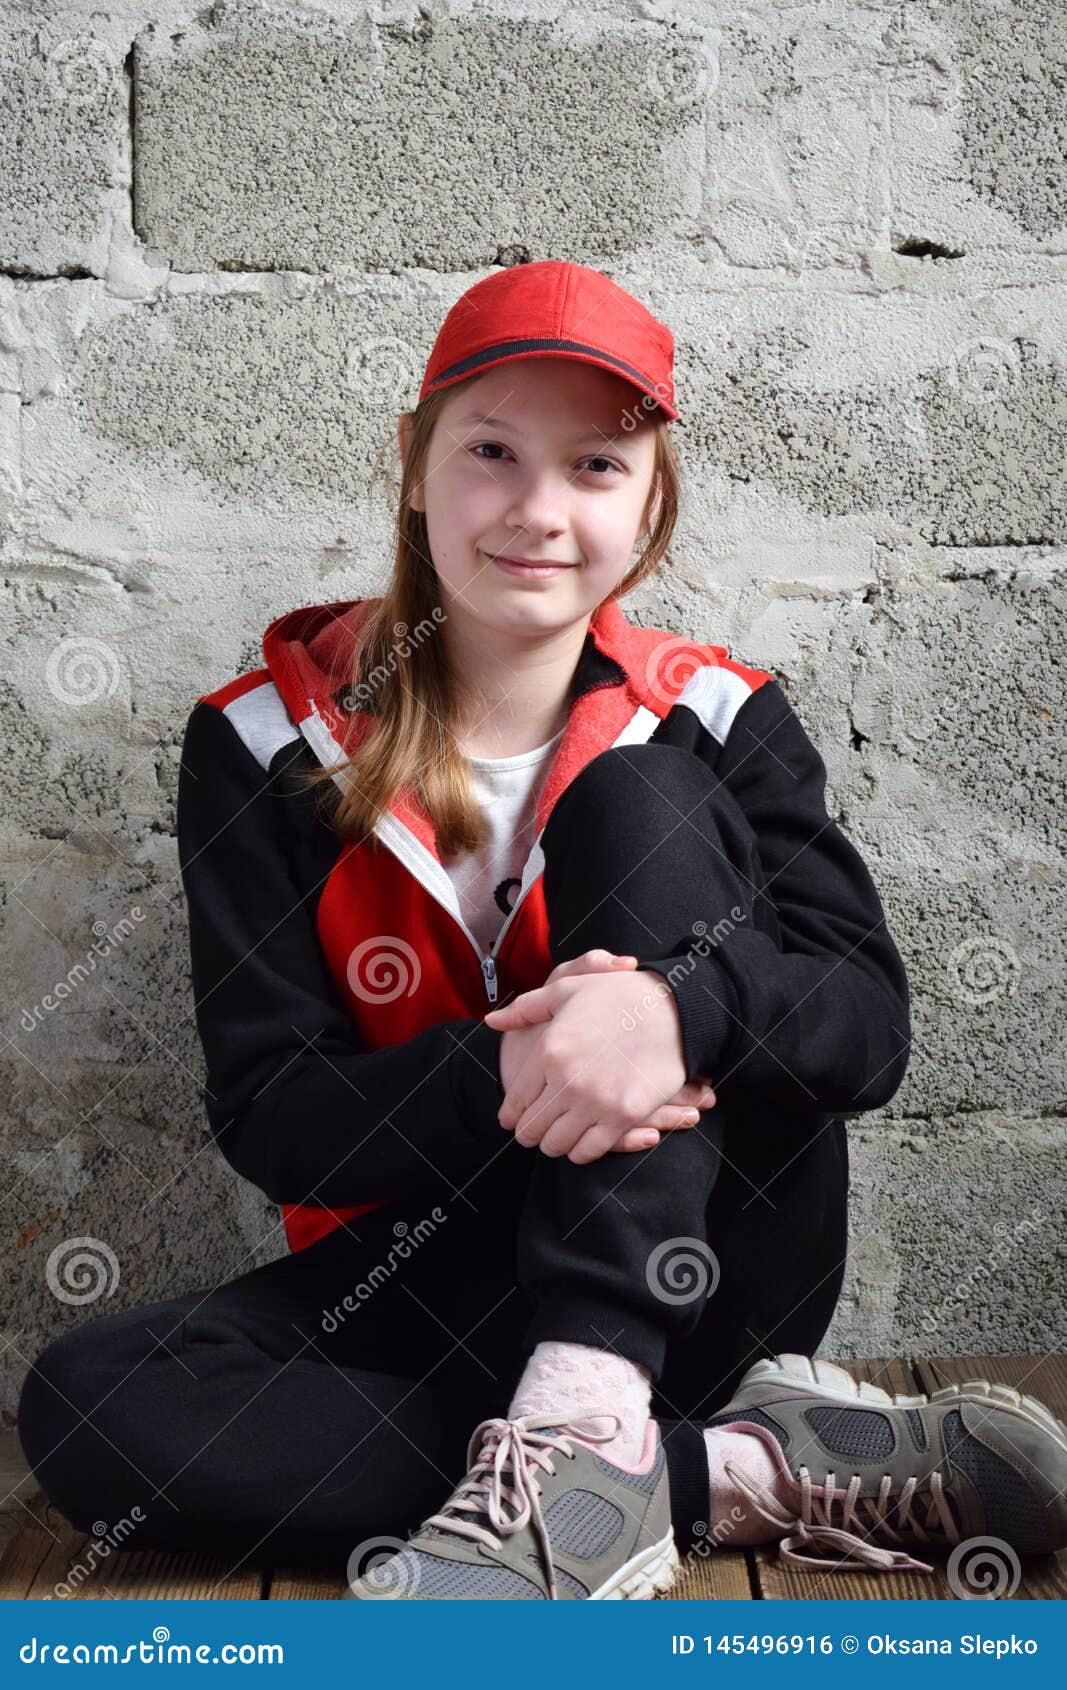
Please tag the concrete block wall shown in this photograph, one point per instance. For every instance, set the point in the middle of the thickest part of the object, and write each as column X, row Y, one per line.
column 228, row 237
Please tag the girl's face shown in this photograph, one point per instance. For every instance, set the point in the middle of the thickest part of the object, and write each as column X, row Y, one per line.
column 544, row 459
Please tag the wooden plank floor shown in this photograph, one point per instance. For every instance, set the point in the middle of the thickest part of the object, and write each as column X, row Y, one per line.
column 43, row 1556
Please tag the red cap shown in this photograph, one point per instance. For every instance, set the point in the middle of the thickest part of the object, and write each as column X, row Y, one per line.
column 554, row 310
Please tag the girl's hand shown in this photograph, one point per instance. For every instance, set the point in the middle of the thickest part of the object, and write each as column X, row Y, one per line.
column 560, row 1060
column 679, row 1113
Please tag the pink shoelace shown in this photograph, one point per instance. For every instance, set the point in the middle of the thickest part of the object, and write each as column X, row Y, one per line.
column 521, row 1446
column 814, row 1523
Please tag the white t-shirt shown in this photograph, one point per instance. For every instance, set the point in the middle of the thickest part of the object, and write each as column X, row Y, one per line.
column 487, row 881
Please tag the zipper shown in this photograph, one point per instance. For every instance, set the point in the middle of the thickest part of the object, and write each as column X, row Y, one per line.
column 488, row 962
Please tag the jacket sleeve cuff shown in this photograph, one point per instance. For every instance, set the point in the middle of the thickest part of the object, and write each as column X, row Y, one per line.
column 475, row 1072
column 708, row 1009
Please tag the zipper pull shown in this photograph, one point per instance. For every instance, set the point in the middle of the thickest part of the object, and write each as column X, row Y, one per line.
column 489, row 971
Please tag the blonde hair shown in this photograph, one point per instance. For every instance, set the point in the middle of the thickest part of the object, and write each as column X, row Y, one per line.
column 412, row 743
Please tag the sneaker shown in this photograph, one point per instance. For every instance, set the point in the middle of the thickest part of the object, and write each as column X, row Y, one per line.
column 971, row 1460
column 539, row 1516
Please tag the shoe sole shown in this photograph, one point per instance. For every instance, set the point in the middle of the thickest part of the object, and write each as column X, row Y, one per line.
column 826, row 1379
column 644, row 1577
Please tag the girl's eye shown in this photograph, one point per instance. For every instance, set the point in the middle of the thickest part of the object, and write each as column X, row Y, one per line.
column 496, row 446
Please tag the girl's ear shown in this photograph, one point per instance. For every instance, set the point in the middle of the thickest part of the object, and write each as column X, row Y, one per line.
column 404, row 425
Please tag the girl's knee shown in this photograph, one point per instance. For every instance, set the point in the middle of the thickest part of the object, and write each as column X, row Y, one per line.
column 649, row 777
column 74, row 1376
column 78, row 1405
column 48, row 1417
column 57, row 1388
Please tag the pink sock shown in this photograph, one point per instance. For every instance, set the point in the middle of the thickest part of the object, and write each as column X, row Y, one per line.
column 562, row 1377
column 734, row 1520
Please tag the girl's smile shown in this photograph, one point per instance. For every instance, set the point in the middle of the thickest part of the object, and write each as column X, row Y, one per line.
column 531, row 570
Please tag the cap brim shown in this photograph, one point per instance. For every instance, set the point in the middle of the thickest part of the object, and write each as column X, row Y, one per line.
column 491, row 358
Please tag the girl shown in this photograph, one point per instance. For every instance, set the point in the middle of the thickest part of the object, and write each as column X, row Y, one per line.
column 535, row 984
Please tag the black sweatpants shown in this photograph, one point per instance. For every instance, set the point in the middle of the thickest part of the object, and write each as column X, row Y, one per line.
column 327, row 1397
